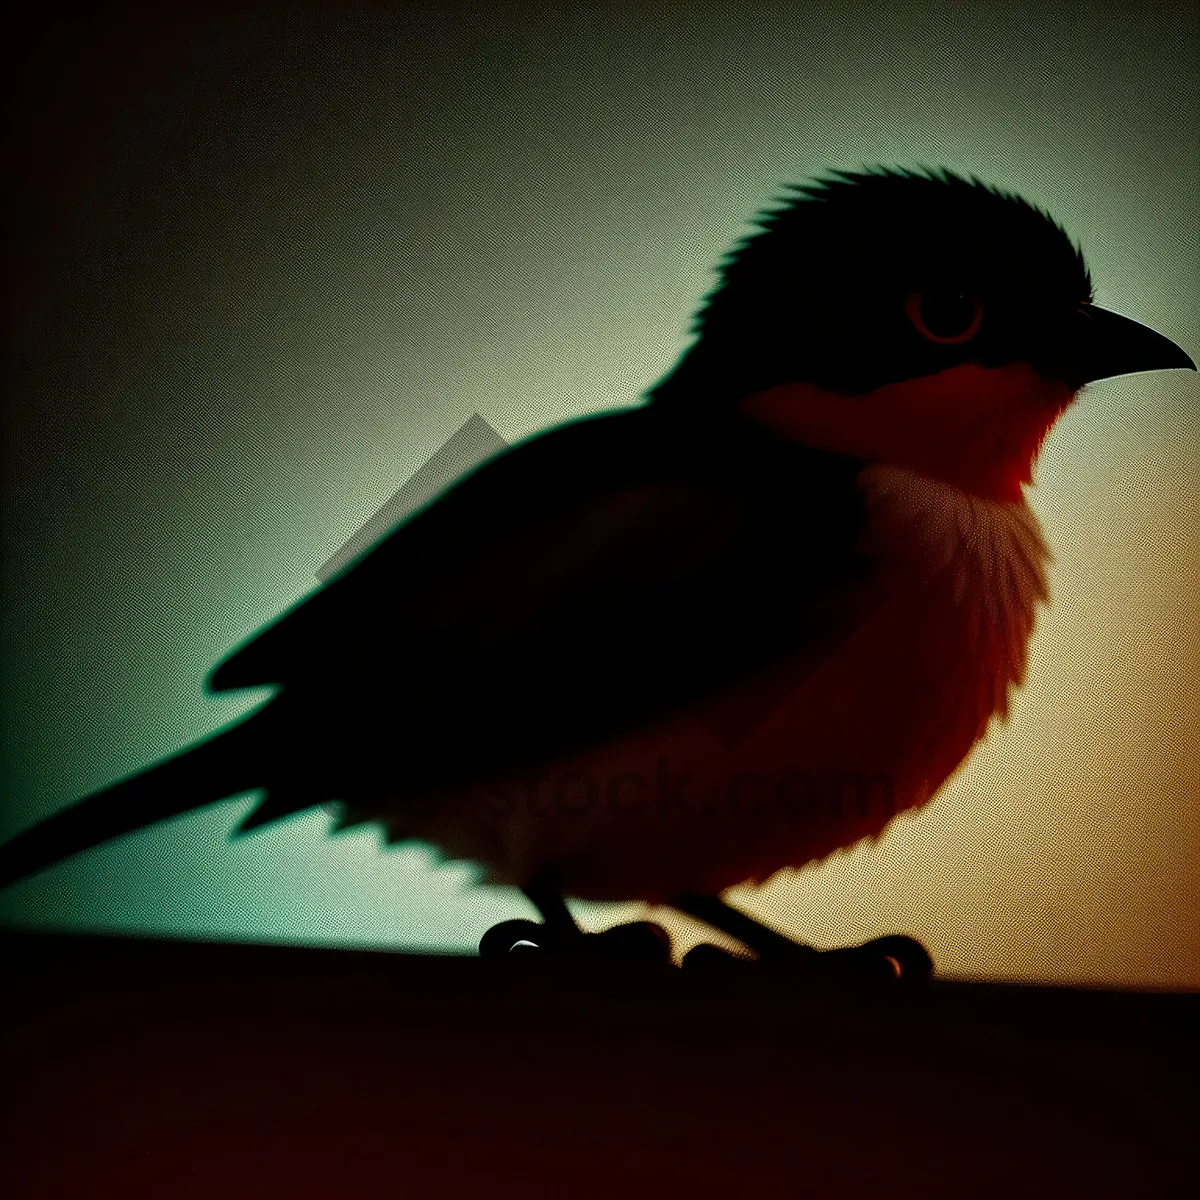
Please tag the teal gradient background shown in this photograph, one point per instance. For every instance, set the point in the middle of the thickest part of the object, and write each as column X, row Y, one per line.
column 265, row 264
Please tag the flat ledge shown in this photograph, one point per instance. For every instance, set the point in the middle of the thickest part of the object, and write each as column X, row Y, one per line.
column 145, row 1067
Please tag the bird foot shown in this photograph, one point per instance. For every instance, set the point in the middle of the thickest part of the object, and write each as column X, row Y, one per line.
column 895, row 957
column 637, row 941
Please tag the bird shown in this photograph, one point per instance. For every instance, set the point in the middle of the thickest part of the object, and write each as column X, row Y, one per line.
column 671, row 648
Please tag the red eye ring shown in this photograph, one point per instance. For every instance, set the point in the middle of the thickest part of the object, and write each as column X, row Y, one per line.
column 913, row 308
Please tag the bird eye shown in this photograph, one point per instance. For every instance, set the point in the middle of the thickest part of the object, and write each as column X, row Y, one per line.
column 946, row 315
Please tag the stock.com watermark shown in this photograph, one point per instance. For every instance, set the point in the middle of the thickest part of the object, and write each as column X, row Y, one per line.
column 663, row 793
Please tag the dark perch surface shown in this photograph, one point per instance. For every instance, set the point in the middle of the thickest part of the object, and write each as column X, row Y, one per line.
column 177, row 1070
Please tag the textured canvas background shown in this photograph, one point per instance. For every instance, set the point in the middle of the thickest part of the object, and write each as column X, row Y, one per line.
column 264, row 265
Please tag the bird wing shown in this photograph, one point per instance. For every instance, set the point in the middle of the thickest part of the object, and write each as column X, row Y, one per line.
column 570, row 588
column 389, row 591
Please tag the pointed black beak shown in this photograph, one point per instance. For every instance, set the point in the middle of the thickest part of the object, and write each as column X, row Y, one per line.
column 1107, row 344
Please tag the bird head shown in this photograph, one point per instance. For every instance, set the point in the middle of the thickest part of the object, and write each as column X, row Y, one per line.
column 915, row 318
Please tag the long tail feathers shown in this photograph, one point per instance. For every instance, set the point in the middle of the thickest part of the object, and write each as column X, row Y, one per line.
column 236, row 759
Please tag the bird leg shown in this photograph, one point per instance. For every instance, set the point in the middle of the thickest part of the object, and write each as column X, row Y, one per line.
column 548, row 900
column 895, row 957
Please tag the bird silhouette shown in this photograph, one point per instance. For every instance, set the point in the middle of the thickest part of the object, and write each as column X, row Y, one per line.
column 662, row 651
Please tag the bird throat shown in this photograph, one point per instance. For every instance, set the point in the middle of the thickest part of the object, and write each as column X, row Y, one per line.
column 977, row 428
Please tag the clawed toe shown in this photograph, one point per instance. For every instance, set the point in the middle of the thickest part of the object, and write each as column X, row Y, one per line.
column 893, row 957
column 707, row 957
column 514, row 938
column 637, row 941
column 896, row 957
